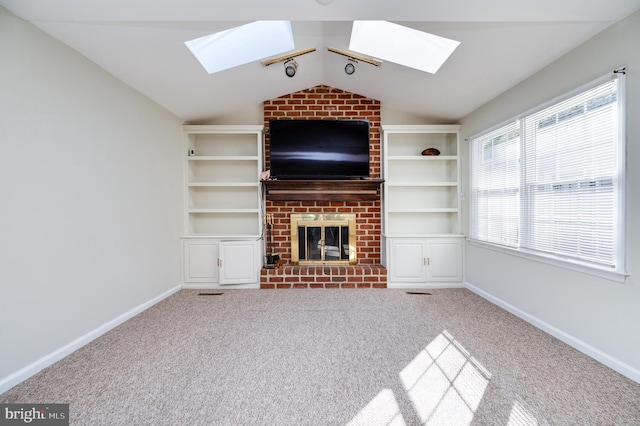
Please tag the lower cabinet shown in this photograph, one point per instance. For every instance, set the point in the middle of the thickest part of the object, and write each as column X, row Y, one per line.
column 201, row 261
column 212, row 262
column 238, row 262
column 424, row 262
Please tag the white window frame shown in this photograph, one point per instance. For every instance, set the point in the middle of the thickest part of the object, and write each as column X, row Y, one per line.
column 615, row 273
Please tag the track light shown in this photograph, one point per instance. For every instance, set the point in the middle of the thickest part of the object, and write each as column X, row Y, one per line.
column 355, row 57
column 290, row 67
column 350, row 67
column 287, row 57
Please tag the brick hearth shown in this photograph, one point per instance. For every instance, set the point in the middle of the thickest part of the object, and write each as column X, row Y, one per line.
column 322, row 102
column 373, row 276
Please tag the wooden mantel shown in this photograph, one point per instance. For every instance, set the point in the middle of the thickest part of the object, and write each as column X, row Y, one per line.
column 323, row 190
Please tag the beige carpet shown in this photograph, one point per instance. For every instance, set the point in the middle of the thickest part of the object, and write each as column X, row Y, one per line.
column 331, row 357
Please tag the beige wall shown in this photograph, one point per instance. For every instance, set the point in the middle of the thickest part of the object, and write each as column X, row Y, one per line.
column 598, row 316
column 90, row 193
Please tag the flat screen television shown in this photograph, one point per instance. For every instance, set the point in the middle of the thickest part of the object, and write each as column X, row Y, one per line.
column 319, row 149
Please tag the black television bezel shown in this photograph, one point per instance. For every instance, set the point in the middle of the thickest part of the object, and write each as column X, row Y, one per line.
column 312, row 124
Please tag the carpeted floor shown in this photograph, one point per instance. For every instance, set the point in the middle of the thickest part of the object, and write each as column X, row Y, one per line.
column 331, row 357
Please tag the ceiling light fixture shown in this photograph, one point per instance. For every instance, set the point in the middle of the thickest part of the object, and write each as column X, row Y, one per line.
column 350, row 67
column 324, row 2
column 290, row 67
column 355, row 57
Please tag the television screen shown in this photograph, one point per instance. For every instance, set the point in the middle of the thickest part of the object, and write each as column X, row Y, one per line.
column 319, row 149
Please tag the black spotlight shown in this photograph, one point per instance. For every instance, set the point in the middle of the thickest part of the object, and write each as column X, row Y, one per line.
column 290, row 67
column 350, row 68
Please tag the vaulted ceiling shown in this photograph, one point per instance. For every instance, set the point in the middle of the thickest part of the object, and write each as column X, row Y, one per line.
column 503, row 42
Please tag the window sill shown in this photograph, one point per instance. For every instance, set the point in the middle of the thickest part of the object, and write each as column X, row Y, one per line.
column 610, row 275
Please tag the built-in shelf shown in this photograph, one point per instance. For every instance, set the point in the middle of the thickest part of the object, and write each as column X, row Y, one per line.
column 222, row 188
column 323, row 190
column 421, row 192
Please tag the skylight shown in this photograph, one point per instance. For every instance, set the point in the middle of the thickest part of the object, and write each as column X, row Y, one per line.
column 241, row 45
column 402, row 45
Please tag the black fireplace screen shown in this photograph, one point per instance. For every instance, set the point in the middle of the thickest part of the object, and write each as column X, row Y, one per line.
column 323, row 243
column 327, row 239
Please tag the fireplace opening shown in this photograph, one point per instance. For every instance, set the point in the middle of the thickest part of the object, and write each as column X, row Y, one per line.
column 323, row 239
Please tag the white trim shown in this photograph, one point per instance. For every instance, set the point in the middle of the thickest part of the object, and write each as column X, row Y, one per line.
column 427, row 128
column 23, row 374
column 216, row 128
column 218, row 286
column 602, row 357
column 622, row 177
column 424, row 286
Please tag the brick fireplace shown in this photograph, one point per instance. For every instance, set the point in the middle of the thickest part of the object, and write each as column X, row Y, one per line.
column 323, row 102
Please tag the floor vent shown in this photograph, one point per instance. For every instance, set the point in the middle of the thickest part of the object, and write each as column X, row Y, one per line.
column 210, row 294
column 424, row 293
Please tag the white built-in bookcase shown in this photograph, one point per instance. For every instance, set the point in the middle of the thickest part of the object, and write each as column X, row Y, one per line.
column 422, row 240
column 223, row 205
column 223, row 180
column 421, row 192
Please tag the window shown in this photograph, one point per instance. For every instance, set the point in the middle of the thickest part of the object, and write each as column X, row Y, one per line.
column 550, row 182
column 401, row 45
column 241, row 45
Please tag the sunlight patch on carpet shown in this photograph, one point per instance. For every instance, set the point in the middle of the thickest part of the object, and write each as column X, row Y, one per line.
column 445, row 383
column 521, row 416
column 383, row 409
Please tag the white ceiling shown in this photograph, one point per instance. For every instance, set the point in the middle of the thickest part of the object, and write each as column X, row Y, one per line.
column 503, row 42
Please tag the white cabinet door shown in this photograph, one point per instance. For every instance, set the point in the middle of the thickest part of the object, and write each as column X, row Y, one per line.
column 444, row 259
column 424, row 262
column 238, row 262
column 407, row 260
column 200, row 261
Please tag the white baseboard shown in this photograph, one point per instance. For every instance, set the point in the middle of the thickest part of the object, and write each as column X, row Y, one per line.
column 425, row 286
column 39, row 365
column 602, row 357
column 198, row 286
column 215, row 286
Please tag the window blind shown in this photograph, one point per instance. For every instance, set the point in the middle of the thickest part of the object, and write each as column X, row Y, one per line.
column 549, row 181
column 570, row 169
column 495, row 191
